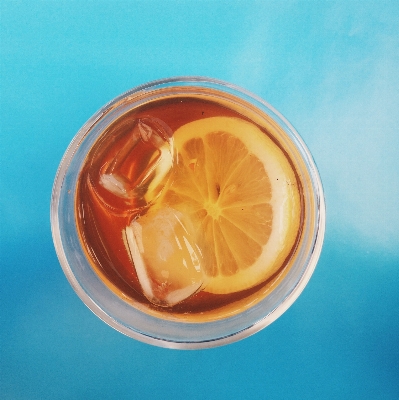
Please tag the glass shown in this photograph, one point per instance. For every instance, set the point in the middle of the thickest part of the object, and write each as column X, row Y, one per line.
column 113, row 307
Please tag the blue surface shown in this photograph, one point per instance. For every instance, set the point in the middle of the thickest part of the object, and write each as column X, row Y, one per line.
column 332, row 68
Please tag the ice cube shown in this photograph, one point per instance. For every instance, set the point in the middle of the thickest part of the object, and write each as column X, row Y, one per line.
column 163, row 247
column 148, row 184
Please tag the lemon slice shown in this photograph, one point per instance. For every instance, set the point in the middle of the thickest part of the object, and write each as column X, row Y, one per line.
column 241, row 191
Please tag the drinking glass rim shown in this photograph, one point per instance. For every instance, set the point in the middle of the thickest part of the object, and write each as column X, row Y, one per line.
column 195, row 81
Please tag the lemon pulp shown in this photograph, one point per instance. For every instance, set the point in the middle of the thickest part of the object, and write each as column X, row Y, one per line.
column 240, row 190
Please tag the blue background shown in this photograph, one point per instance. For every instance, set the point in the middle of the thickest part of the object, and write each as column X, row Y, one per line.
column 332, row 68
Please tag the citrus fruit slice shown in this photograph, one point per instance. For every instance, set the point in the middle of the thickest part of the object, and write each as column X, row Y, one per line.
column 241, row 191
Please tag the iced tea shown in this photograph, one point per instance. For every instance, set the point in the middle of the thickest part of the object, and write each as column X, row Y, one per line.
column 175, row 211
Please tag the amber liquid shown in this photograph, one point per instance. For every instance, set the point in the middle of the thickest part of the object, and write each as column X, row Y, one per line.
column 101, row 216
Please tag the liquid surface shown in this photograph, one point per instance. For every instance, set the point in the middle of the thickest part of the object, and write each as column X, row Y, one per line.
column 187, row 209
